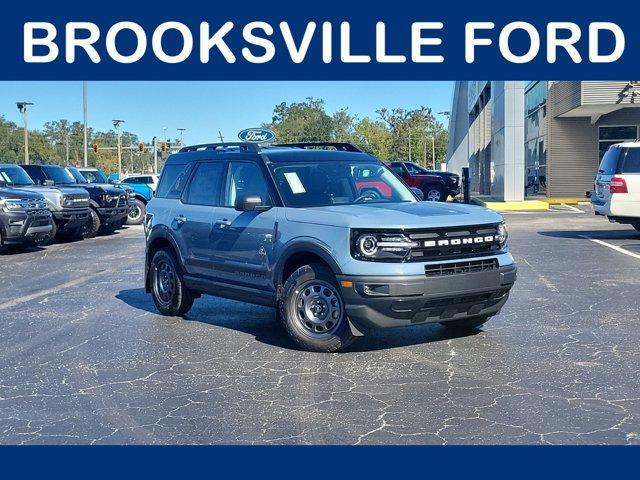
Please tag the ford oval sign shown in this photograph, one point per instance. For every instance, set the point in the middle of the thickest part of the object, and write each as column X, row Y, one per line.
column 257, row 135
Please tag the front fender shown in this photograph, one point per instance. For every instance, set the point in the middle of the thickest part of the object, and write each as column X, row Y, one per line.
column 303, row 244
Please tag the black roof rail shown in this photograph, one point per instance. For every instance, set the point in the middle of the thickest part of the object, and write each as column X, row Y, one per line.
column 342, row 146
column 243, row 146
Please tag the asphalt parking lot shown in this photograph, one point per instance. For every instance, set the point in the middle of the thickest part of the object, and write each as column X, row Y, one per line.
column 84, row 358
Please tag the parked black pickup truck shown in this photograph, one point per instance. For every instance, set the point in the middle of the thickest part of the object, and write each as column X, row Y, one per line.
column 24, row 217
column 108, row 204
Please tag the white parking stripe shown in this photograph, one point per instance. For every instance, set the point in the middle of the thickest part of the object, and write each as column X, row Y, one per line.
column 613, row 247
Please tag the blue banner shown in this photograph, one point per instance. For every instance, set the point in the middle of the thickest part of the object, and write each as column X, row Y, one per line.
column 330, row 40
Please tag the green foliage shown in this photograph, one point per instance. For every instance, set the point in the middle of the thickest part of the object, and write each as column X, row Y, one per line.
column 61, row 136
column 396, row 134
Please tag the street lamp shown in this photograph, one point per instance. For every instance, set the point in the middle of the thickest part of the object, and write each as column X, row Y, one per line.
column 182, row 130
column 22, row 106
column 116, row 124
column 164, row 133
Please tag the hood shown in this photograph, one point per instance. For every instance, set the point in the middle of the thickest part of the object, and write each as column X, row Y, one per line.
column 395, row 215
column 20, row 194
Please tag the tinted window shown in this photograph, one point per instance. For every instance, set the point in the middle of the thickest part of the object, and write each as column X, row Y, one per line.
column 76, row 175
column 629, row 160
column 245, row 179
column 35, row 172
column 618, row 133
column 133, row 180
column 94, row 176
column 609, row 162
column 397, row 169
column 206, row 183
column 14, row 175
column 58, row 174
column 172, row 181
column 415, row 169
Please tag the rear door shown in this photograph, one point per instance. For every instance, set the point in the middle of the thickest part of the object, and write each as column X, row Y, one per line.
column 193, row 217
column 606, row 171
column 629, row 171
column 243, row 241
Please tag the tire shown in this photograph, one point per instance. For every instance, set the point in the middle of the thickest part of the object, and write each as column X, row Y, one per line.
column 49, row 239
column 92, row 227
column 433, row 194
column 170, row 295
column 466, row 323
column 137, row 213
column 325, row 330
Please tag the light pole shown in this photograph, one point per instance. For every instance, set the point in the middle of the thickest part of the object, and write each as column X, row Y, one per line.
column 116, row 124
column 84, row 116
column 182, row 130
column 433, row 142
column 22, row 106
column 164, row 134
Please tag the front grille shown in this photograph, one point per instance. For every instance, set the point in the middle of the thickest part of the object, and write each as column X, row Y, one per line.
column 443, row 269
column 37, row 213
column 452, row 242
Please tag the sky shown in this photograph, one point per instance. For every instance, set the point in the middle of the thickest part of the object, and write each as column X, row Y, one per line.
column 204, row 108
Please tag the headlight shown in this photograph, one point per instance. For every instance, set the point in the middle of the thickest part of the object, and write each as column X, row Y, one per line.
column 12, row 204
column 381, row 246
column 502, row 234
column 108, row 198
column 67, row 201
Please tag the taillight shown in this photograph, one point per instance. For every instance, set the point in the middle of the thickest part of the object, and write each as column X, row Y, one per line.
column 618, row 185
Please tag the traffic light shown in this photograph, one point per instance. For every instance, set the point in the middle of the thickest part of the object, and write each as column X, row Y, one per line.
column 163, row 146
column 141, row 147
column 95, row 147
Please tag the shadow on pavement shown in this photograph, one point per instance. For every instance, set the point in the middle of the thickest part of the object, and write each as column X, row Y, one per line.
column 261, row 323
column 19, row 249
column 597, row 234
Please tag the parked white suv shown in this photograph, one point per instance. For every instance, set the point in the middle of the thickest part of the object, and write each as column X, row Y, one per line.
column 617, row 186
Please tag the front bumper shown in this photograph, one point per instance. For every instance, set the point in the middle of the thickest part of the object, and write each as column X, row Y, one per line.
column 70, row 218
column 22, row 227
column 113, row 214
column 408, row 300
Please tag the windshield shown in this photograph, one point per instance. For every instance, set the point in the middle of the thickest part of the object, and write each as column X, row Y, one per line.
column 338, row 183
column 94, row 176
column 58, row 174
column 14, row 175
column 76, row 175
column 416, row 169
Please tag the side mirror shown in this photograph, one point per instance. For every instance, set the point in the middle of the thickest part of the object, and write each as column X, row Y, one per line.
column 47, row 183
column 418, row 193
column 250, row 203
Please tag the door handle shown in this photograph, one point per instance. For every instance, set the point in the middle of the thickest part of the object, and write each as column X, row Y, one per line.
column 179, row 219
column 224, row 223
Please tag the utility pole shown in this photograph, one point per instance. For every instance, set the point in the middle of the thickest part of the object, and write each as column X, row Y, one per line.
column 181, row 130
column 448, row 115
column 22, row 106
column 84, row 116
column 155, row 155
column 409, row 147
column 116, row 124
column 66, row 141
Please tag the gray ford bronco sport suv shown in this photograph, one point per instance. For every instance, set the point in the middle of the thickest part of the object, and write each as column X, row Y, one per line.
column 325, row 233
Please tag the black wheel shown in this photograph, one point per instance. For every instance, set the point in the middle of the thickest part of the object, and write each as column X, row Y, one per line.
column 92, row 226
column 312, row 310
column 433, row 194
column 49, row 238
column 136, row 213
column 169, row 293
column 466, row 323
column 636, row 226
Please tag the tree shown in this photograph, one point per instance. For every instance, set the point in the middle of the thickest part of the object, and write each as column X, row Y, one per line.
column 301, row 122
column 374, row 137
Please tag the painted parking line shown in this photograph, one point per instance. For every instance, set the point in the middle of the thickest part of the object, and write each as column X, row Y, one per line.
column 613, row 247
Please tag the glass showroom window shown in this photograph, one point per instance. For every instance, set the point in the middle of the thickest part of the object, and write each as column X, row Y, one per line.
column 608, row 136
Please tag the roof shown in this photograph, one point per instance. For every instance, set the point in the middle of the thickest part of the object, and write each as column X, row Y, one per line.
column 635, row 144
column 297, row 152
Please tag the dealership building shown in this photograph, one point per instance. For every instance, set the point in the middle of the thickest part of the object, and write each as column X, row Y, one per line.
column 538, row 139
